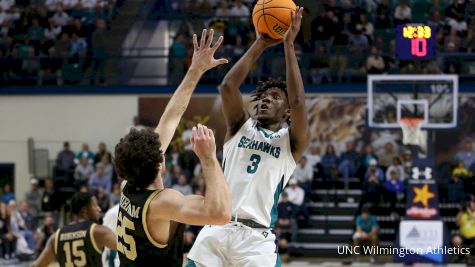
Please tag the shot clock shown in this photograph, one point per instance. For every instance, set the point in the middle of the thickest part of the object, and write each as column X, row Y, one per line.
column 415, row 42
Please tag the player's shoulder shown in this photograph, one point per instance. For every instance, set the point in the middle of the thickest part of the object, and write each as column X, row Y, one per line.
column 167, row 199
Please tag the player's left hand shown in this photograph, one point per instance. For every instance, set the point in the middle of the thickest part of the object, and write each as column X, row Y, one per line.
column 203, row 54
column 291, row 34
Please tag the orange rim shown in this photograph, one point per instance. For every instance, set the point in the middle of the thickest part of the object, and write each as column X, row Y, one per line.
column 412, row 122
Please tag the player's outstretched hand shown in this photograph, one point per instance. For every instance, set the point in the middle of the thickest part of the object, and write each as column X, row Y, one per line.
column 291, row 34
column 203, row 143
column 203, row 54
column 266, row 40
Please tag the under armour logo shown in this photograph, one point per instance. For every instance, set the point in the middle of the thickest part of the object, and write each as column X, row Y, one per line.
column 416, row 173
column 265, row 234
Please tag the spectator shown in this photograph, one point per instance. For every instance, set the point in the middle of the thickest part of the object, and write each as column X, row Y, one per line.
column 20, row 230
column 240, row 10
column 103, row 199
column 359, row 43
column 46, row 230
column 466, row 155
column 460, row 170
column 63, row 46
column 407, row 162
column 367, row 156
column 83, row 173
column 287, row 213
column 303, row 174
column 374, row 168
column 365, row 27
column 31, row 66
column 320, row 65
column 115, row 195
column 454, row 10
column 108, row 167
column 394, row 190
column 85, row 153
column 36, row 33
column 61, row 18
column 78, row 48
column 330, row 162
column 7, row 240
column 396, row 165
column 31, row 222
column 100, row 179
column 102, row 153
column 297, row 196
column 33, row 198
column 51, row 68
column 383, row 15
column 375, row 62
column 402, row 13
column 135, row 125
column 183, row 186
column 348, row 163
column 372, row 190
column 464, row 221
column 223, row 9
column 367, row 229
column 65, row 160
column 99, row 50
column 7, row 193
column 453, row 42
column 455, row 190
column 387, row 156
column 470, row 10
column 313, row 156
column 188, row 158
column 50, row 199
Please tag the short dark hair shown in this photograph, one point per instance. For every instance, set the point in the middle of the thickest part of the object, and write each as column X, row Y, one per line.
column 79, row 201
column 263, row 86
column 137, row 156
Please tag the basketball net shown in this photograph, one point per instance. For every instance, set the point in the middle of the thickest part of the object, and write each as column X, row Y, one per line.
column 412, row 132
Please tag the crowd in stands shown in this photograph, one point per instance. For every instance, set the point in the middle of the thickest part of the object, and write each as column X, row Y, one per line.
column 382, row 177
column 53, row 42
column 339, row 40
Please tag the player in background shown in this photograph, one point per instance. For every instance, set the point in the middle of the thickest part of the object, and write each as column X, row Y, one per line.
column 151, row 218
column 260, row 155
column 110, row 258
column 81, row 242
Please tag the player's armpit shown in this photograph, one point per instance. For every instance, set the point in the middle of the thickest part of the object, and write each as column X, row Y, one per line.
column 191, row 209
column 47, row 255
column 105, row 237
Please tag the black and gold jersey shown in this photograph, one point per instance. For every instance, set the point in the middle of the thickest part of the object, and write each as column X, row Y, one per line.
column 75, row 245
column 135, row 244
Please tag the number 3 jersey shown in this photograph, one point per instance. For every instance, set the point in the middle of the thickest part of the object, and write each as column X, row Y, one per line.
column 257, row 165
column 75, row 246
column 136, row 246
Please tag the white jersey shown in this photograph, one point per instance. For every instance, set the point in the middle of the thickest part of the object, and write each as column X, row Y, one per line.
column 257, row 165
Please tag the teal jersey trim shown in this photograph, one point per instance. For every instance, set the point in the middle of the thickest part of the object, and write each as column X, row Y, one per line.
column 273, row 213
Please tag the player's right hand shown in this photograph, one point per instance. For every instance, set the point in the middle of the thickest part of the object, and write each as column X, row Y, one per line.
column 203, row 54
column 203, row 142
column 266, row 40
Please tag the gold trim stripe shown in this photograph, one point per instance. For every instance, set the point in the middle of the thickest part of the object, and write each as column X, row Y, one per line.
column 93, row 241
column 144, row 220
column 56, row 240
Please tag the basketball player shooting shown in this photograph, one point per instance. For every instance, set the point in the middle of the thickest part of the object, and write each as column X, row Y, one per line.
column 81, row 242
column 260, row 155
column 151, row 218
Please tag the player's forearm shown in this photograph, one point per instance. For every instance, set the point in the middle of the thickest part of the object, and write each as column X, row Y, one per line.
column 176, row 106
column 238, row 73
column 217, row 200
column 295, row 89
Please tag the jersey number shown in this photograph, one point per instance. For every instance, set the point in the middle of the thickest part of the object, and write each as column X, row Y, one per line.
column 255, row 159
column 125, row 223
column 77, row 253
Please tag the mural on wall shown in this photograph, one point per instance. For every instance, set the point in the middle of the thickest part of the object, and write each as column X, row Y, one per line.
column 333, row 120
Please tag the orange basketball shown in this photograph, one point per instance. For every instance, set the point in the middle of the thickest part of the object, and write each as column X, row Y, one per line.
column 272, row 17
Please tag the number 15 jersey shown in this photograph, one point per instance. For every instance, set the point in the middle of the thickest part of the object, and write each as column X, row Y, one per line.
column 257, row 165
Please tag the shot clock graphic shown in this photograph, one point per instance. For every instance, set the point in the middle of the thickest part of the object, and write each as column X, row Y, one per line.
column 415, row 42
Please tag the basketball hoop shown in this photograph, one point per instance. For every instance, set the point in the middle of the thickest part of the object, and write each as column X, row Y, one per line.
column 412, row 132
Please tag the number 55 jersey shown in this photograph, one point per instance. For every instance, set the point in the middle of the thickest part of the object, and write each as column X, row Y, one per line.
column 135, row 245
column 257, row 165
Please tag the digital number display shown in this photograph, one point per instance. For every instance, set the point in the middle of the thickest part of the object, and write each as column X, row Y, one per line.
column 415, row 41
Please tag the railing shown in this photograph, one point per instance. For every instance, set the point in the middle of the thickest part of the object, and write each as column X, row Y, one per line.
column 91, row 70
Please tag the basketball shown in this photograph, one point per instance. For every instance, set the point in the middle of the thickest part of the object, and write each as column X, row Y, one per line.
column 272, row 17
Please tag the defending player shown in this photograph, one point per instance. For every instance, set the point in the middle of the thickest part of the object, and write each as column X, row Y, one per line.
column 81, row 242
column 259, row 158
column 149, row 225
